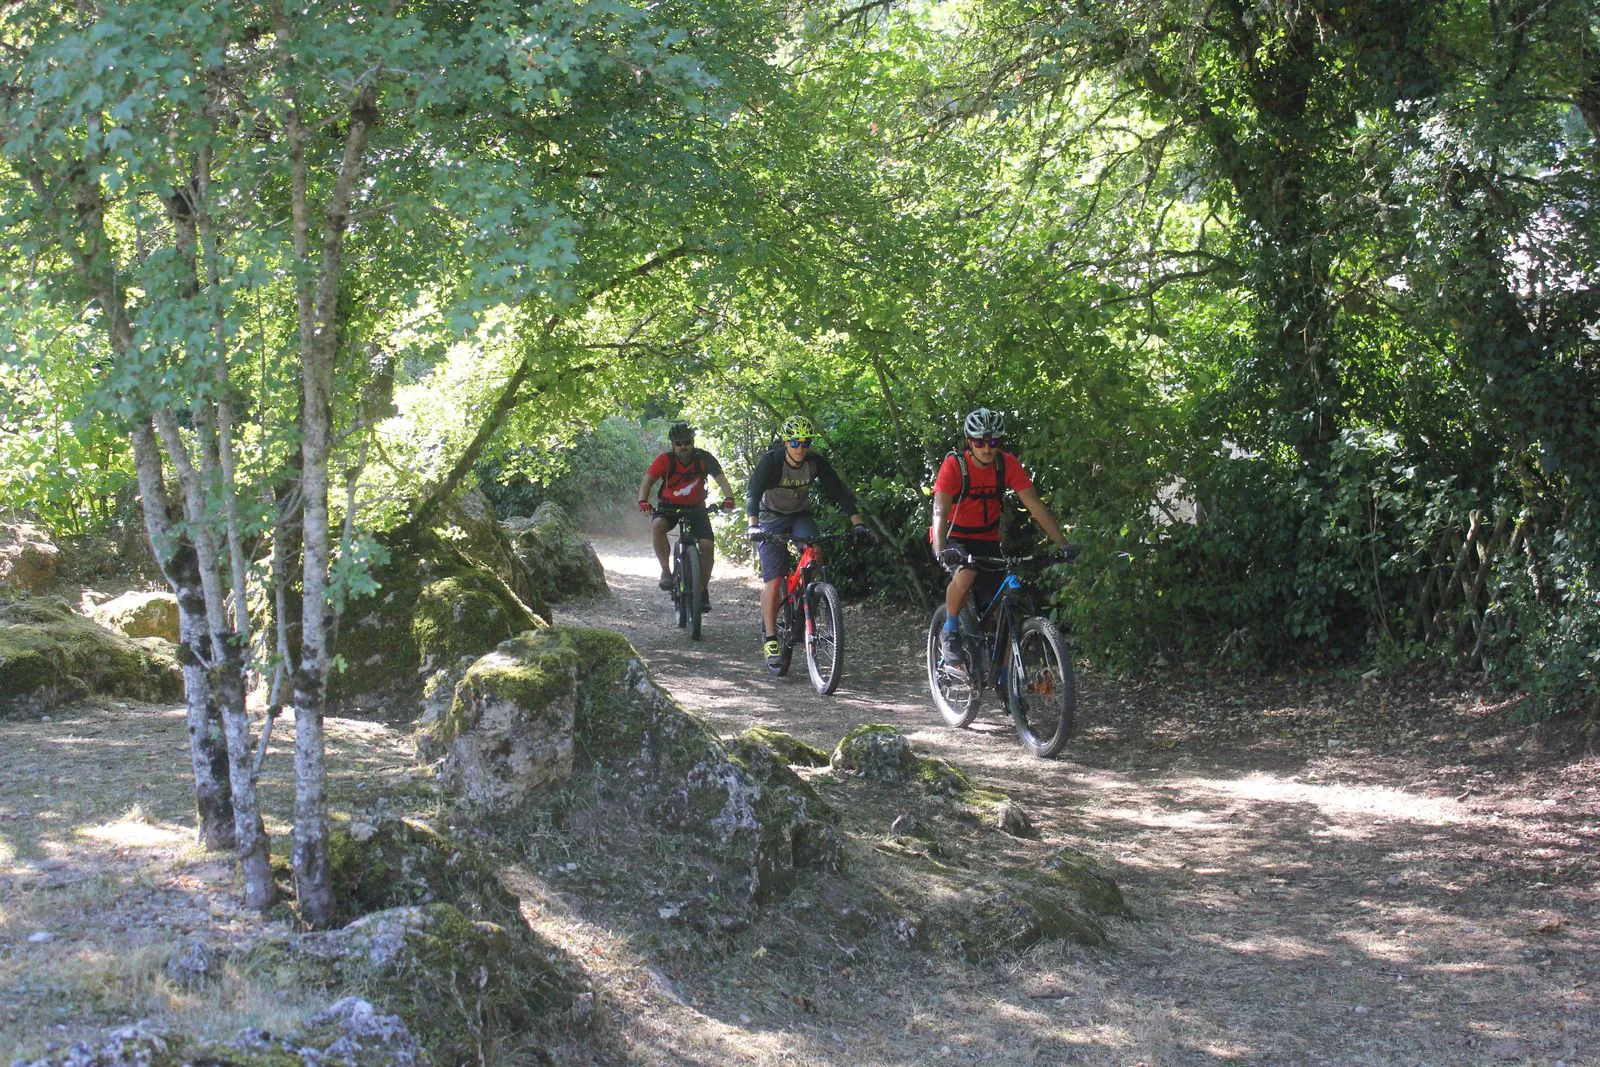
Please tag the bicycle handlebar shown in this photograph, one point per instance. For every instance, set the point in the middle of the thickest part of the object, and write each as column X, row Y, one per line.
column 678, row 509
column 820, row 539
column 998, row 563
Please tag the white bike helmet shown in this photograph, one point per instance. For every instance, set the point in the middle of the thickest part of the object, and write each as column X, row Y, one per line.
column 984, row 423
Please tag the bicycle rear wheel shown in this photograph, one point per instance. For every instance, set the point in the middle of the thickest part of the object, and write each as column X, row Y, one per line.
column 956, row 696
column 824, row 637
column 689, row 593
column 1041, row 691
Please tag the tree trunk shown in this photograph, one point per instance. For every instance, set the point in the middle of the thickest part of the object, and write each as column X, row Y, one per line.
column 208, row 750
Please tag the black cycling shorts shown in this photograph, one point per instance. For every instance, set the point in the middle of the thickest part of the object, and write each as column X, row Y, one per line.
column 698, row 523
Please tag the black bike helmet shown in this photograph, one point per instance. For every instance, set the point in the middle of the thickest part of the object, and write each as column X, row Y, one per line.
column 681, row 434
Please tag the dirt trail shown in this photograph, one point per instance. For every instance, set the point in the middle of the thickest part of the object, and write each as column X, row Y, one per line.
column 1325, row 871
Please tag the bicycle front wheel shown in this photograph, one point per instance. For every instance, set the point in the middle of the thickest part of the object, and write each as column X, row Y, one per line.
column 1041, row 691
column 955, row 695
column 689, row 592
column 680, row 603
column 824, row 637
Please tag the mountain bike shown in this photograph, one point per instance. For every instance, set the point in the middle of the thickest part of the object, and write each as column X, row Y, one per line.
column 688, row 574
column 1020, row 654
column 809, row 612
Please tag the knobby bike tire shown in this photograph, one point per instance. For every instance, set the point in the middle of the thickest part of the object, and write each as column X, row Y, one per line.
column 956, row 699
column 680, row 603
column 1043, row 694
column 786, row 635
column 824, row 638
column 691, row 589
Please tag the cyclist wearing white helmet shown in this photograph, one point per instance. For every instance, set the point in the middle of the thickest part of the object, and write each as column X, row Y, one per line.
column 682, row 471
column 778, row 501
column 967, row 494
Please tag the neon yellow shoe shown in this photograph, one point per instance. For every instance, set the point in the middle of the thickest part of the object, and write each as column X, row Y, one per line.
column 774, row 654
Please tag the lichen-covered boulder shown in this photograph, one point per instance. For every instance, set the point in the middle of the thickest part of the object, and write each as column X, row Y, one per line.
column 458, row 984
column 567, row 702
column 50, row 655
column 27, row 558
column 561, row 561
column 349, row 1032
column 509, row 728
column 433, row 606
column 470, row 524
column 141, row 614
column 755, row 821
column 877, row 752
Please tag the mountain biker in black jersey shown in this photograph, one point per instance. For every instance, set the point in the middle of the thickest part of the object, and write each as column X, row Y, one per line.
column 967, row 494
column 778, row 502
column 682, row 471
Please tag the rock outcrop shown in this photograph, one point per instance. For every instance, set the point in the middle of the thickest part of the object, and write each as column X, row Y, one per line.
column 469, row 523
column 27, row 558
column 50, row 655
column 141, row 614
column 563, row 704
column 560, row 560
column 349, row 1032
column 433, row 607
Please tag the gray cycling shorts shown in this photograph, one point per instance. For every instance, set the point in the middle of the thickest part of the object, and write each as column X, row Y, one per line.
column 775, row 555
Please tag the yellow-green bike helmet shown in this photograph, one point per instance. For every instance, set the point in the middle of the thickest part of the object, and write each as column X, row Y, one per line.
column 797, row 428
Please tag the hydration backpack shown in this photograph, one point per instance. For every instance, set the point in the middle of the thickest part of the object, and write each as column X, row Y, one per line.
column 966, row 487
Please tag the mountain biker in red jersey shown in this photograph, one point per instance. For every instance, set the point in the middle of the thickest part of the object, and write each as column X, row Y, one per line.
column 966, row 514
column 778, row 501
column 682, row 471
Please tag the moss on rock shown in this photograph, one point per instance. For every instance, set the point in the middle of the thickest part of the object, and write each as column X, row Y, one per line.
column 557, row 556
column 49, row 654
column 391, row 863
column 1064, row 897
column 460, row 985
column 789, row 748
column 433, row 606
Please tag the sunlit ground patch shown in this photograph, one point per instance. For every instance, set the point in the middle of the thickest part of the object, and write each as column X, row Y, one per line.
column 1370, row 801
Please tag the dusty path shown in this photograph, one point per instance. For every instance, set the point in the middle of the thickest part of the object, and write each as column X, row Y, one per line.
column 1324, row 871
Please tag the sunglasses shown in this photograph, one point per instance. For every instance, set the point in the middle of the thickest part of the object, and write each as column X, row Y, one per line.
column 799, row 442
column 987, row 442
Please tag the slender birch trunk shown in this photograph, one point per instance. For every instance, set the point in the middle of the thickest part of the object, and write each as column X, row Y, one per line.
column 226, row 664
column 319, row 338
column 83, row 236
column 208, row 750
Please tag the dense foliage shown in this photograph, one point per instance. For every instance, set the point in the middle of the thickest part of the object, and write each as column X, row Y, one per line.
column 1290, row 306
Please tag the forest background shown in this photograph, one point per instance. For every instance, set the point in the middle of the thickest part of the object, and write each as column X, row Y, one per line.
column 1323, row 269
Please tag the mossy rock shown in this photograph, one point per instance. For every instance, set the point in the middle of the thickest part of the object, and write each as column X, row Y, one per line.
column 433, row 606
column 877, row 752
column 141, row 614
column 789, row 748
column 746, row 819
column 460, row 985
column 391, row 863
column 1064, row 897
column 49, row 655
column 509, row 728
column 469, row 523
column 561, row 561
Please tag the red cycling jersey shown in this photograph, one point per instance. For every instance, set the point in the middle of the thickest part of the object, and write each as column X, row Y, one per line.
column 685, row 483
column 977, row 515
